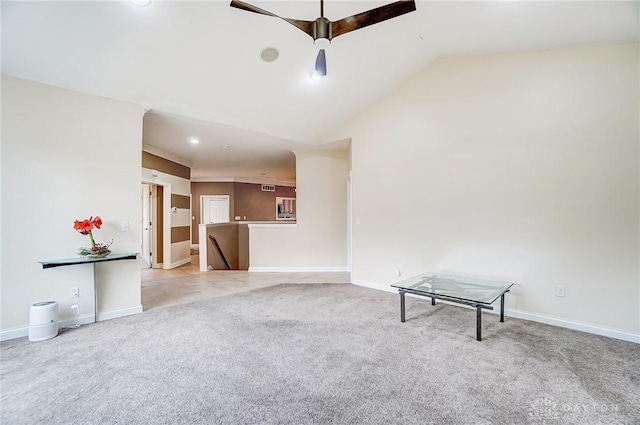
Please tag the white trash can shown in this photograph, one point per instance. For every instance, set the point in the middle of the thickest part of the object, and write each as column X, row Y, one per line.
column 43, row 321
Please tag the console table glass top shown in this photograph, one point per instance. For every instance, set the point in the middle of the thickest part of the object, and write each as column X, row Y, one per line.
column 84, row 260
column 445, row 286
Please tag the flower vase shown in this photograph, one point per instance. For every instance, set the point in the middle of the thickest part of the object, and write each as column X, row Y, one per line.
column 85, row 252
column 97, row 250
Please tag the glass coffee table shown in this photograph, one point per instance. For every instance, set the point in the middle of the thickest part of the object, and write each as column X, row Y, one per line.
column 478, row 293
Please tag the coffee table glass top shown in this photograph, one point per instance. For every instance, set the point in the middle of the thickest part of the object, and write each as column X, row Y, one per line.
column 458, row 287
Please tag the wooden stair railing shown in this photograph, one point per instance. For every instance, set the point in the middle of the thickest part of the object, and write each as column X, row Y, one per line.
column 215, row 243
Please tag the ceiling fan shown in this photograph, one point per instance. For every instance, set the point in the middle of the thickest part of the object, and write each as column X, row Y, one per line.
column 323, row 30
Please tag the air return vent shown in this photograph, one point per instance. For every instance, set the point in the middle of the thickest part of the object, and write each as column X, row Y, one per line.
column 268, row 188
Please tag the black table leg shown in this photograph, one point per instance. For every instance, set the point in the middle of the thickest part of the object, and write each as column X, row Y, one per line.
column 433, row 301
column 402, row 306
column 502, row 308
column 479, row 323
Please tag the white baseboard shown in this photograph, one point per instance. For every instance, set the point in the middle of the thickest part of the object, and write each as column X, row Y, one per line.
column 14, row 333
column 179, row 263
column 386, row 288
column 534, row 317
column 24, row 331
column 298, row 269
column 84, row 320
column 108, row 315
column 570, row 324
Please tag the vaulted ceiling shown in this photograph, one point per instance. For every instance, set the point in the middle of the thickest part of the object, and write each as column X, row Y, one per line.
column 197, row 65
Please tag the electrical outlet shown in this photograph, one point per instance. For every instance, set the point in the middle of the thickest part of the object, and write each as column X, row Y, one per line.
column 74, row 292
column 559, row 291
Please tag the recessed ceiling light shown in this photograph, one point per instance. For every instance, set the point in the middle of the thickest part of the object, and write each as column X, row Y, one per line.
column 194, row 141
column 225, row 147
column 140, row 2
column 269, row 54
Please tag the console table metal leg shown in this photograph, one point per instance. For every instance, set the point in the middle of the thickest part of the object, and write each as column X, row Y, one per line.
column 402, row 306
column 502, row 308
column 479, row 323
column 433, row 301
column 95, row 295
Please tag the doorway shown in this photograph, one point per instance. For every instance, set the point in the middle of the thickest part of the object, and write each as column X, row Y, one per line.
column 147, row 223
column 214, row 209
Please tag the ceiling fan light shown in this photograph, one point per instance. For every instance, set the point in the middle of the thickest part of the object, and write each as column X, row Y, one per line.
column 322, row 43
column 321, row 65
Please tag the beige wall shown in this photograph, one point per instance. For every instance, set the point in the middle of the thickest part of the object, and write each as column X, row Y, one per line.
column 319, row 239
column 252, row 204
column 246, row 200
column 521, row 167
column 155, row 162
column 65, row 156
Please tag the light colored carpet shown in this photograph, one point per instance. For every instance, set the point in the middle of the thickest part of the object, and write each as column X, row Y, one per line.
column 319, row 354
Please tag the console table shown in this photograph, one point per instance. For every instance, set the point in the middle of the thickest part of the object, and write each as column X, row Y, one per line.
column 477, row 293
column 84, row 260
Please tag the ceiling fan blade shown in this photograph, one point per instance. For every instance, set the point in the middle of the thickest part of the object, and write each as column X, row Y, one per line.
column 305, row 26
column 321, row 64
column 250, row 8
column 373, row 16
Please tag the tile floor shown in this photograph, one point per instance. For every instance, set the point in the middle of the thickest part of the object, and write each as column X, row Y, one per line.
column 185, row 284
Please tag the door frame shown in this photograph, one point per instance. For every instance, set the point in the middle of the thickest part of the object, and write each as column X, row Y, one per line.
column 166, row 227
column 349, row 223
column 148, row 211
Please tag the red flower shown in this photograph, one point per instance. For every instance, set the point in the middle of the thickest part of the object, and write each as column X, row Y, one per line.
column 83, row 227
column 86, row 226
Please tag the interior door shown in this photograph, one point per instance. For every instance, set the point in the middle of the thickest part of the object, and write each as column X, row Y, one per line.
column 215, row 209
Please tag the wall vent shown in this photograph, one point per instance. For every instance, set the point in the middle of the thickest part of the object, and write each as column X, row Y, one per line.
column 268, row 188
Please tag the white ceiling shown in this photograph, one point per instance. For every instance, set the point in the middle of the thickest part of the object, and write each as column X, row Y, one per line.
column 223, row 151
column 197, row 65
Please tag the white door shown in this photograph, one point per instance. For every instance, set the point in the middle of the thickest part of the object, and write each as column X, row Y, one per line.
column 214, row 209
